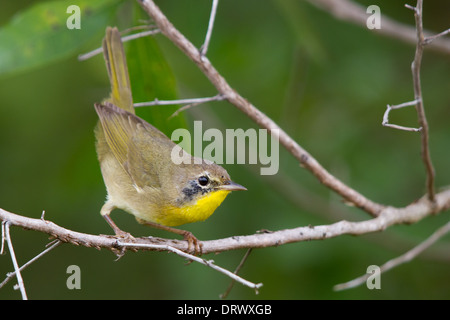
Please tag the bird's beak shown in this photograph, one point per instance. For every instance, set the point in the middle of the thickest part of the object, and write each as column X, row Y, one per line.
column 231, row 186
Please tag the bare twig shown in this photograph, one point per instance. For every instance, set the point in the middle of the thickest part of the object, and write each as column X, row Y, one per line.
column 190, row 103
column 404, row 258
column 355, row 13
column 418, row 102
column 140, row 35
column 3, row 237
column 11, row 275
column 183, row 108
column 14, row 260
column 222, row 86
column 204, row 47
column 146, row 26
column 157, row 102
column 402, row 105
column 241, row 264
column 209, row 263
column 97, row 51
column 395, row 126
column 430, row 39
column 415, row 68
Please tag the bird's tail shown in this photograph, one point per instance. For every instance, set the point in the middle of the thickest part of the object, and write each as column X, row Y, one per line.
column 116, row 64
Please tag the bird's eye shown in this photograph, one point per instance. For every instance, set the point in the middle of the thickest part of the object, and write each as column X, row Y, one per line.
column 203, row 180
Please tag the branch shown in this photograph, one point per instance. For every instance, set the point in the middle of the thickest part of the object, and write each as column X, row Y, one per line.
column 6, row 236
column 209, row 263
column 157, row 102
column 388, row 217
column 205, row 45
column 241, row 264
column 11, row 275
column 418, row 102
column 222, row 86
column 86, row 56
column 189, row 103
column 352, row 12
column 404, row 258
column 430, row 39
column 102, row 241
column 415, row 68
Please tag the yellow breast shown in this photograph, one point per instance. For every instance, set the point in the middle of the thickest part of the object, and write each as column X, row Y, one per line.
column 193, row 212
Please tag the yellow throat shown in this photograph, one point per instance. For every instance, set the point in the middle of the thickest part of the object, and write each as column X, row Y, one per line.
column 198, row 211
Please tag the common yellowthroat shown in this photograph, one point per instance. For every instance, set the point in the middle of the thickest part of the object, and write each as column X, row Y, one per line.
column 135, row 161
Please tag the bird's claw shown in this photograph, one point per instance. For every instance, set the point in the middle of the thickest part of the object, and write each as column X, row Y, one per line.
column 193, row 242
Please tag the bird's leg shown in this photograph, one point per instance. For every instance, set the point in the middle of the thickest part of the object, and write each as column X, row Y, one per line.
column 187, row 235
column 105, row 211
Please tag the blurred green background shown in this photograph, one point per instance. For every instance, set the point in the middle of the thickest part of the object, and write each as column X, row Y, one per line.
column 326, row 82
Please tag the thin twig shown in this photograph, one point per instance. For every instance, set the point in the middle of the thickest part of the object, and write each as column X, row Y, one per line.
column 209, row 263
column 241, row 264
column 157, row 102
column 410, row 7
column 430, row 39
column 11, row 275
column 404, row 258
column 3, row 237
column 415, row 68
column 136, row 28
column 183, row 108
column 402, row 105
column 204, row 47
column 14, row 261
column 88, row 55
column 140, row 35
column 395, row 126
column 354, row 12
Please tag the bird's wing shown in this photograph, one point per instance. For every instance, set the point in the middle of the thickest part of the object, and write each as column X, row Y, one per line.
column 142, row 150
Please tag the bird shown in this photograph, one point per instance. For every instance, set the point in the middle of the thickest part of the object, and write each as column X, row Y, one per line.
column 136, row 164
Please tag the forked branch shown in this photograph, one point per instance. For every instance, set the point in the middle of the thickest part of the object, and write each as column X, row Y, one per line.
column 390, row 216
column 415, row 68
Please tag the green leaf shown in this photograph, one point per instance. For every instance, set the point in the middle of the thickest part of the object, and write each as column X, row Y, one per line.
column 39, row 35
column 151, row 77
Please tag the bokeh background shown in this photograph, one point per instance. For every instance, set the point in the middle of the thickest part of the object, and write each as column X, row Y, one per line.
column 325, row 81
